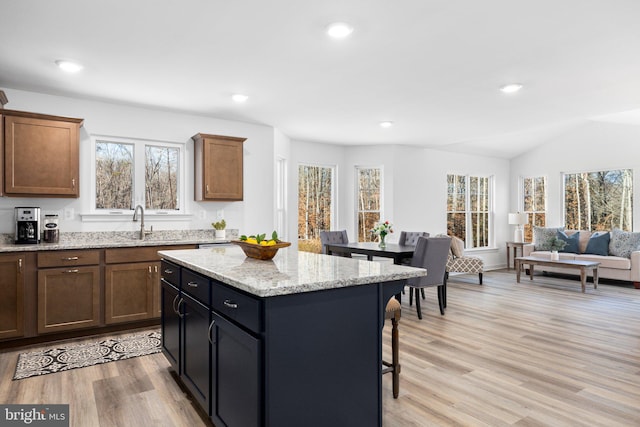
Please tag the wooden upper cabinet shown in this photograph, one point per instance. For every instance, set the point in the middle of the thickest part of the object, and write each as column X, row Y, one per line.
column 218, row 167
column 41, row 155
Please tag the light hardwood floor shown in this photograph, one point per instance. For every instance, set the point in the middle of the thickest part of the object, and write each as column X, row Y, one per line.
column 538, row 353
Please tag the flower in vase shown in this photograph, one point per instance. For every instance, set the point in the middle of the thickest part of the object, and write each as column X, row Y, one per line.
column 382, row 229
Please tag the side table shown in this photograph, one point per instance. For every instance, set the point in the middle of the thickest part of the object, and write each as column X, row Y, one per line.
column 514, row 246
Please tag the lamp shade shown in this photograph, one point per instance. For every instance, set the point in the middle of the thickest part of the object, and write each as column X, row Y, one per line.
column 518, row 218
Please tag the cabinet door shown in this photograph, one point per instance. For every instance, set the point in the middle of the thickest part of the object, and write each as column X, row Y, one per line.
column 171, row 306
column 129, row 292
column 218, row 167
column 41, row 156
column 12, row 296
column 68, row 298
column 236, row 375
column 195, row 355
column 155, row 284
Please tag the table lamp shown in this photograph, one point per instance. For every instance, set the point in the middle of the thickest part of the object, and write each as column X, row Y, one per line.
column 518, row 219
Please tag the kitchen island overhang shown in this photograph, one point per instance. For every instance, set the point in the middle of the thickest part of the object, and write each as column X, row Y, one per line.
column 313, row 324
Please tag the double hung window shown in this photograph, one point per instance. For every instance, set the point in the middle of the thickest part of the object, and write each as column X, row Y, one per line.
column 469, row 209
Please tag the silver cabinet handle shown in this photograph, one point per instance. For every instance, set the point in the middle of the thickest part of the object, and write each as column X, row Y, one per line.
column 213, row 322
column 193, row 284
column 173, row 304
column 230, row 304
column 71, row 271
column 178, row 312
column 71, row 258
column 168, row 271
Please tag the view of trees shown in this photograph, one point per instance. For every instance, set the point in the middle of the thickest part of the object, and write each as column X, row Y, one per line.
column 468, row 205
column 534, row 192
column 114, row 175
column 161, row 177
column 315, row 184
column 368, row 202
column 599, row 200
column 115, row 170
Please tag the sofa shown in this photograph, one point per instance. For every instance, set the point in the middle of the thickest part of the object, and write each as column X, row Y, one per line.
column 618, row 252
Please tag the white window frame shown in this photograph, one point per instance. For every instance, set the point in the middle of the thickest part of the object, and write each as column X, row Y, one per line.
column 139, row 146
column 356, row 192
column 468, row 224
column 334, row 191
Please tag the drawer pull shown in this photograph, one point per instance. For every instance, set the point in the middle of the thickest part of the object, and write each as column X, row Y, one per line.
column 168, row 271
column 213, row 322
column 71, row 258
column 230, row 304
column 193, row 284
column 72, row 271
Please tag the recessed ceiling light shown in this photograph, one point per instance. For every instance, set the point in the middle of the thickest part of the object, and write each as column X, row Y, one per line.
column 339, row 30
column 386, row 124
column 239, row 98
column 511, row 88
column 69, row 66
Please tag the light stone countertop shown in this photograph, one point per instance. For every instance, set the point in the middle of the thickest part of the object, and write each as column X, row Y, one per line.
column 289, row 272
column 117, row 239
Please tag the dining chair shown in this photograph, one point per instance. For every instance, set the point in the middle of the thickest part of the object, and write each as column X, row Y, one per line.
column 431, row 253
column 327, row 237
column 410, row 238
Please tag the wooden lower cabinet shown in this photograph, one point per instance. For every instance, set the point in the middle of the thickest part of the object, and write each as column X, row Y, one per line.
column 195, row 350
column 130, row 292
column 68, row 298
column 171, row 324
column 12, row 296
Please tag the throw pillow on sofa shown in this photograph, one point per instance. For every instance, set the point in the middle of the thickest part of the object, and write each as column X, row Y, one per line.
column 598, row 243
column 571, row 242
column 623, row 243
column 542, row 237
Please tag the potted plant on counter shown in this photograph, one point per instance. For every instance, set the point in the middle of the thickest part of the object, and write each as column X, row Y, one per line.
column 220, row 227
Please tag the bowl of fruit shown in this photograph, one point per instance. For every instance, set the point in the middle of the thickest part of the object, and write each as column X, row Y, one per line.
column 259, row 247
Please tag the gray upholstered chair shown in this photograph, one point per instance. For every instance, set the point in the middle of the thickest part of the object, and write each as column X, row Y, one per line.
column 431, row 253
column 334, row 237
column 410, row 238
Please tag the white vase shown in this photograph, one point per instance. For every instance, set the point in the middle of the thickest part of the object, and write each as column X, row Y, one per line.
column 221, row 234
column 555, row 256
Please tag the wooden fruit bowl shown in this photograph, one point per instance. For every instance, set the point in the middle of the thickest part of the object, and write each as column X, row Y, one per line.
column 258, row 251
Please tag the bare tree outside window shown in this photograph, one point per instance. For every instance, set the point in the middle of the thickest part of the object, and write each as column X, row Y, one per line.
column 369, row 185
column 161, row 177
column 600, row 200
column 469, row 209
column 315, row 198
column 534, row 202
column 114, row 175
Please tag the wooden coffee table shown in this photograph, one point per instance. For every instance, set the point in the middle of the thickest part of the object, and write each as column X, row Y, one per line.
column 583, row 266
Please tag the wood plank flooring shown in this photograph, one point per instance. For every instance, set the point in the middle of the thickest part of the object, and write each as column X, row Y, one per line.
column 538, row 353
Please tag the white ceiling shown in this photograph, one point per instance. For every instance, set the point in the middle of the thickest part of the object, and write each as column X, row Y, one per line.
column 433, row 67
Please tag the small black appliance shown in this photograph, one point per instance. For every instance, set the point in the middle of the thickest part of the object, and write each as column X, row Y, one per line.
column 27, row 225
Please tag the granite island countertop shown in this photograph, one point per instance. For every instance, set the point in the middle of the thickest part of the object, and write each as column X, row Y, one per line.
column 289, row 272
column 117, row 239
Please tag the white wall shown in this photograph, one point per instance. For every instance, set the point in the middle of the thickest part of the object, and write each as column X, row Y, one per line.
column 415, row 187
column 593, row 146
column 254, row 214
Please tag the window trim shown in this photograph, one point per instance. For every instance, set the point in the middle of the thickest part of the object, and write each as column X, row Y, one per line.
column 93, row 214
column 356, row 190
column 521, row 204
column 468, row 240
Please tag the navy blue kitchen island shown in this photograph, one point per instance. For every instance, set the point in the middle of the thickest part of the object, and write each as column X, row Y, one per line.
column 293, row 341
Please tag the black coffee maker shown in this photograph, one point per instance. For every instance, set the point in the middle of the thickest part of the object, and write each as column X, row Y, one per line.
column 27, row 225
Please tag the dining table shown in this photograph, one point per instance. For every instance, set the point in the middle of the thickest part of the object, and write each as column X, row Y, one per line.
column 370, row 249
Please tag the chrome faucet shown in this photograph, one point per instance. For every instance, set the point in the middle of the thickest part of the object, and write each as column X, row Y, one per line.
column 143, row 232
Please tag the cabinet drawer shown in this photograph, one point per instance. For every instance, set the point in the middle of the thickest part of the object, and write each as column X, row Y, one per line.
column 242, row 308
column 68, row 258
column 197, row 286
column 170, row 273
